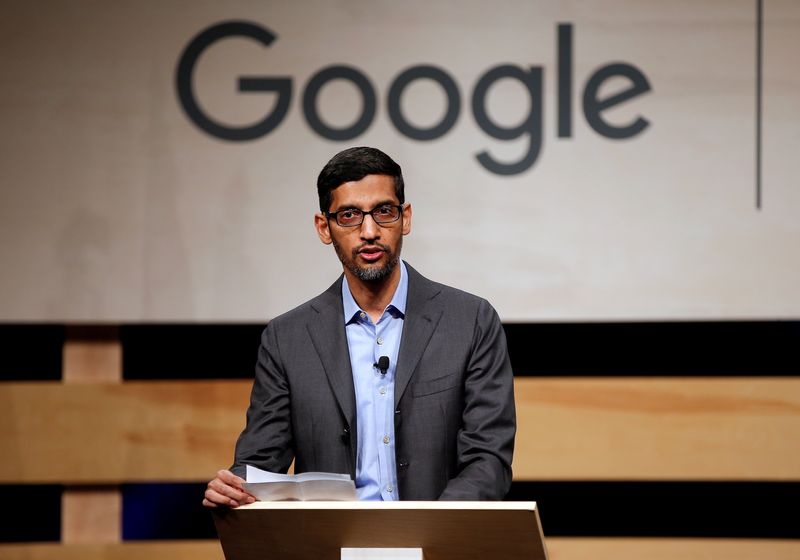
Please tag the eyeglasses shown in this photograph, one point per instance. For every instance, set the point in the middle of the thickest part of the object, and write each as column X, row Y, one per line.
column 351, row 217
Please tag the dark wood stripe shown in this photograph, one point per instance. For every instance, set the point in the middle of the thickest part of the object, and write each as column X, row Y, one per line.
column 753, row 510
column 92, row 333
column 568, row 509
column 691, row 348
column 186, row 351
column 31, row 512
column 165, row 511
column 665, row 509
column 31, row 352
column 228, row 351
column 667, row 349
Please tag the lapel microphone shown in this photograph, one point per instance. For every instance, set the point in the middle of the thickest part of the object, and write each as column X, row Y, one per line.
column 383, row 364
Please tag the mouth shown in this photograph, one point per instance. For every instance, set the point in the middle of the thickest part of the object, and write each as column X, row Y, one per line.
column 371, row 254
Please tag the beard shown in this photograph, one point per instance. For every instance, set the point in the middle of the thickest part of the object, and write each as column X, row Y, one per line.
column 375, row 273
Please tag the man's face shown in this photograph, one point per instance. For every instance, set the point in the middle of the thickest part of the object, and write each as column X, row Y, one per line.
column 369, row 251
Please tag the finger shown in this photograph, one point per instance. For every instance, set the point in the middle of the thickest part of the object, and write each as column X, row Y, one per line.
column 231, row 492
column 229, row 478
column 216, row 498
column 208, row 504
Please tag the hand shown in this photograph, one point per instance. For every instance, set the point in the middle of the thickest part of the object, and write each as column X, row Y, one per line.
column 226, row 490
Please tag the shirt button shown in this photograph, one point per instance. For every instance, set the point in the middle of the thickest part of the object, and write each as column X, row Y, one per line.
column 379, row 341
column 385, row 439
column 362, row 315
column 389, row 488
column 382, row 390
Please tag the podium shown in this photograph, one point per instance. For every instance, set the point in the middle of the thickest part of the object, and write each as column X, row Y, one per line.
column 381, row 530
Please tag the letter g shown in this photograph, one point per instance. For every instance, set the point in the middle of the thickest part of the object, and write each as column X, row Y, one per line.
column 185, row 71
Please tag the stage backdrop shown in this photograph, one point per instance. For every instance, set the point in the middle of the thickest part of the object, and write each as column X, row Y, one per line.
column 567, row 160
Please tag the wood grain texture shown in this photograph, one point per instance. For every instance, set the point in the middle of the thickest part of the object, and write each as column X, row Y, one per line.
column 569, row 429
column 444, row 530
column 126, row 432
column 658, row 429
column 91, row 515
column 167, row 550
column 92, row 361
column 558, row 549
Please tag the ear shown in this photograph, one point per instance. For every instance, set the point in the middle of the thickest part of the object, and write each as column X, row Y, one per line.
column 323, row 228
column 407, row 218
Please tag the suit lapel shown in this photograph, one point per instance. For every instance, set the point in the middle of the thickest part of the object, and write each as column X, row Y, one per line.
column 326, row 329
column 422, row 315
column 327, row 332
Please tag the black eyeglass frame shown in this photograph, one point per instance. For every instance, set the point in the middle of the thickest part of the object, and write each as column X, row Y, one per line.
column 335, row 215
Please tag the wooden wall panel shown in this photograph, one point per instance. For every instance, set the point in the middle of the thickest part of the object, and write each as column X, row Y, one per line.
column 170, row 550
column 590, row 429
column 112, row 433
column 651, row 429
column 558, row 549
column 91, row 515
column 92, row 362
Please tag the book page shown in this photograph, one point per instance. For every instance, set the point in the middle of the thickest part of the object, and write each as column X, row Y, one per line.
column 273, row 491
column 308, row 476
column 269, row 486
column 325, row 490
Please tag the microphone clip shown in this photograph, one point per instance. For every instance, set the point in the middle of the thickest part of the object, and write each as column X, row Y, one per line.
column 382, row 364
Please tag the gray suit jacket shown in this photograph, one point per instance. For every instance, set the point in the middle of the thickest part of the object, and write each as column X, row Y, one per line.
column 454, row 396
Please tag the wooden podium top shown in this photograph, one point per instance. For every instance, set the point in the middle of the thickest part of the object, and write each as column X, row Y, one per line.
column 444, row 530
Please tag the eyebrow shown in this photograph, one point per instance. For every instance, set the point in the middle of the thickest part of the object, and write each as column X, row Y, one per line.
column 384, row 203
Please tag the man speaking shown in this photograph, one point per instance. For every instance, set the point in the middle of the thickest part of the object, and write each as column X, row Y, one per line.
column 401, row 382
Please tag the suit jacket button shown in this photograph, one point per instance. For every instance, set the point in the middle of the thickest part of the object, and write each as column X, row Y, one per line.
column 403, row 464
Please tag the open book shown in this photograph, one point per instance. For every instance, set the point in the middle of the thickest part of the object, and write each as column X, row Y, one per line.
column 268, row 486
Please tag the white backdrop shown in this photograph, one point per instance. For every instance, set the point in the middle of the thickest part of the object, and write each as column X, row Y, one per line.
column 115, row 206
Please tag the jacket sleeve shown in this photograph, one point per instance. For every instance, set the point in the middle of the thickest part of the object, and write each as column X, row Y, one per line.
column 485, row 443
column 266, row 441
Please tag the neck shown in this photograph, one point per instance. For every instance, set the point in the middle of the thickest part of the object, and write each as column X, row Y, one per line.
column 373, row 297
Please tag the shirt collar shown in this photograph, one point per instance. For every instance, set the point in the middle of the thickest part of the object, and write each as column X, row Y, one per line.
column 351, row 308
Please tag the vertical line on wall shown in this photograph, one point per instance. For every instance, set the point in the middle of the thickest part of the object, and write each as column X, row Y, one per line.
column 759, row 90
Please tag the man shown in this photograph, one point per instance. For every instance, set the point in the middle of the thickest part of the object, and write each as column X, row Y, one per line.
column 401, row 382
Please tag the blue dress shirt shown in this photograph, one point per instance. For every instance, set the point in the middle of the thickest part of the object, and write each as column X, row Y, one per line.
column 376, row 473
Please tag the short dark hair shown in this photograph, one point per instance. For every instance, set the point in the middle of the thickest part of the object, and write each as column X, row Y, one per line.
column 353, row 164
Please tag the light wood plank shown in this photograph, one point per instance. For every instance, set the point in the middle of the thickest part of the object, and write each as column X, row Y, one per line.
column 92, row 361
column 672, row 429
column 584, row 429
column 167, row 550
column 91, row 515
column 558, row 549
column 112, row 433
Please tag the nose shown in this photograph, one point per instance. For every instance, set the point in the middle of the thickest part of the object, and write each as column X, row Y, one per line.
column 369, row 228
